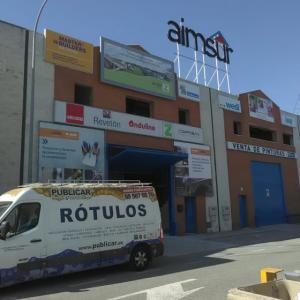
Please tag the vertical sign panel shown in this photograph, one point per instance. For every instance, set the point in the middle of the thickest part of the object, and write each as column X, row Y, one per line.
column 193, row 175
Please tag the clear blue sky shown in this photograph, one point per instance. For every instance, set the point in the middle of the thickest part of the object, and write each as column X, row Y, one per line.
column 265, row 34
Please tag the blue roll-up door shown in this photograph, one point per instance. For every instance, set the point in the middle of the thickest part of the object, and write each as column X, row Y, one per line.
column 190, row 215
column 268, row 194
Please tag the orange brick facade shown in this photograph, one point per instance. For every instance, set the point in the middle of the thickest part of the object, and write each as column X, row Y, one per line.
column 113, row 98
column 239, row 163
column 106, row 96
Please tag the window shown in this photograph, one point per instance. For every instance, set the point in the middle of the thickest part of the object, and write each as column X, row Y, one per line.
column 237, row 127
column 139, row 108
column 23, row 218
column 83, row 94
column 288, row 139
column 183, row 116
column 4, row 206
column 263, row 134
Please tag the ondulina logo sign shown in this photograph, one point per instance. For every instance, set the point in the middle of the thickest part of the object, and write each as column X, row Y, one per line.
column 214, row 46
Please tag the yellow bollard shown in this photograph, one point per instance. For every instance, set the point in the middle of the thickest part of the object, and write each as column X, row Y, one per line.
column 269, row 274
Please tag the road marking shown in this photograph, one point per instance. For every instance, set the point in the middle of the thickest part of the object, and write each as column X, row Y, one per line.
column 258, row 250
column 172, row 291
column 87, row 282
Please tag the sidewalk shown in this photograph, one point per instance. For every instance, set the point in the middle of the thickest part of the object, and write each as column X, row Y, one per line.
column 211, row 242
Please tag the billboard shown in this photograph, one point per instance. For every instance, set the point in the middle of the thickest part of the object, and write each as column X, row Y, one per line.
column 68, row 52
column 193, row 176
column 261, row 108
column 69, row 153
column 188, row 90
column 130, row 68
column 230, row 103
column 77, row 114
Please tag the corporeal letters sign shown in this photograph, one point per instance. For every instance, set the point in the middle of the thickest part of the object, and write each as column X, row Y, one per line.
column 212, row 47
column 106, row 119
column 230, row 103
column 260, row 150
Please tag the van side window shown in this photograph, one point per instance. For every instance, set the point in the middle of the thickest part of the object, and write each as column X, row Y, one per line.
column 23, row 218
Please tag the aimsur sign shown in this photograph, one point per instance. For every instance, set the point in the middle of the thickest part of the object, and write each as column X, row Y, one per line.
column 214, row 46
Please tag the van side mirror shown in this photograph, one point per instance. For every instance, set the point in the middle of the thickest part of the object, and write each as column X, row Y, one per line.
column 4, row 229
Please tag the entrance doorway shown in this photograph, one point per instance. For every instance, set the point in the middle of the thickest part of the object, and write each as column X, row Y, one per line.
column 147, row 165
column 190, row 215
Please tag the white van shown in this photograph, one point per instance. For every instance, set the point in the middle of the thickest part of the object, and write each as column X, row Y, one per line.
column 53, row 229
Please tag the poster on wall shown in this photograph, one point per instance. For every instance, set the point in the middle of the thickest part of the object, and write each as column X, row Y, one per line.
column 193, row 175
column 68, row 52
column 131, row 68
column 70, row 154
column 261, row 108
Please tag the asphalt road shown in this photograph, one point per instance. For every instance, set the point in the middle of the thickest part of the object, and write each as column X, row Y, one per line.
column 194, row 267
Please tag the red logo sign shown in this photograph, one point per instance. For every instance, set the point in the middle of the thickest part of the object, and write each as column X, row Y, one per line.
column 141, row 125
column 75, row 113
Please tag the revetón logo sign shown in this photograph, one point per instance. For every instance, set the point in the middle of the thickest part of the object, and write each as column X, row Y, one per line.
column 212, row 47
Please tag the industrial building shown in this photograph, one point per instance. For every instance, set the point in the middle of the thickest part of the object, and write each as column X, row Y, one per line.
column 116, row 112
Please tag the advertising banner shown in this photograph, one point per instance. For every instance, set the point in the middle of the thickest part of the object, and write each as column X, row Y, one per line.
column 68, row 52
column 261, row 108
column 122, row 122
column 188, row 90
column 230, row 103
column 106, row 119
column 260, row 150
column 193, row 176
column 68, row 153
column 288, row 119
column 131, row 68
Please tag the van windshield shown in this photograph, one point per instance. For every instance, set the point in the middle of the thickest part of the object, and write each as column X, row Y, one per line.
column 4, row 206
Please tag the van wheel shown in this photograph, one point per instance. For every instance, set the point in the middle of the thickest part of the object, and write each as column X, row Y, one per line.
column 140, row 258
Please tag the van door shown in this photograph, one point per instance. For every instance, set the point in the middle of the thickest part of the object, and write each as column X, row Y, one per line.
column 22, row 251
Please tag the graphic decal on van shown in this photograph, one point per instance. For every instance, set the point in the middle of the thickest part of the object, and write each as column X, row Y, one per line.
column 66, row 262
column 61, row 263
column 71, row 193
column 14, row 192
column 64, row 193
column 140, row 192
column 106, row 212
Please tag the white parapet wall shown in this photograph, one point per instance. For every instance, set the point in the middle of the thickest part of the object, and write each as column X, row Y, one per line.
column 218, row 208
column 296, row 136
